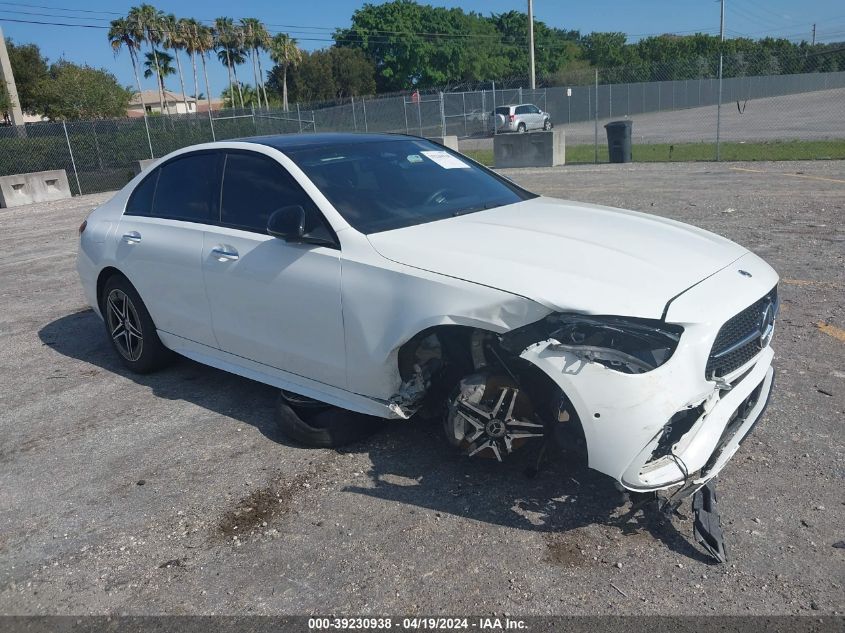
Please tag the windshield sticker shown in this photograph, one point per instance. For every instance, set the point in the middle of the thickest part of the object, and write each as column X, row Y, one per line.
column 445, row 159
column 415, row 158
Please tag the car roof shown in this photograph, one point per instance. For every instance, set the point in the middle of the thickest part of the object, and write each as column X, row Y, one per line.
column 284, row 142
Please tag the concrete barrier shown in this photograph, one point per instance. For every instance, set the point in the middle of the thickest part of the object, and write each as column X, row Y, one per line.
column 143, row 164
column 450, row 141
column 39, row 186
column 535, row 149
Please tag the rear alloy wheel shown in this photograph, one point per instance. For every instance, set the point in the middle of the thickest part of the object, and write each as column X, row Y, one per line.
column 521, row 128
column 130, row 327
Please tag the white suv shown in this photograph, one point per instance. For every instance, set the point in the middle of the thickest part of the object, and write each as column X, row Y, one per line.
column 520, row 118
column 369, row 276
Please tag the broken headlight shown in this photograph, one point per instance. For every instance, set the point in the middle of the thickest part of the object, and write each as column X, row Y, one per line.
column 628, row 345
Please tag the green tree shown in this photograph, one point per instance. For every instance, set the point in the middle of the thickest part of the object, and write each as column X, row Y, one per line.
column 286, row 54
column 415, row 45
column 5, row 103
column 149, row 20
column 30, row 69
column 256, row 39
column 553, row 48
column 229, row 42
column 174, row 40
column 124, row 33
column 198, row 41
column 353, row 72
column 72, row 92
column 159, row 65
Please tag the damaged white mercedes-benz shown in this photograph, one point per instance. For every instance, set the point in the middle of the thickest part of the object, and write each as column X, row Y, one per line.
column 372, row 276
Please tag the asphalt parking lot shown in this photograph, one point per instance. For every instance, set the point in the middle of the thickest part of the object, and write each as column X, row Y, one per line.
column 173, row 493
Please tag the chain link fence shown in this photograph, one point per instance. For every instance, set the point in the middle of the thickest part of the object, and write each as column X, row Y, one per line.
column 674, row 107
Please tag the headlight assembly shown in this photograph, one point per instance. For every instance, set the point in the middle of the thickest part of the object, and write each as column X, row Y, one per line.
column 627, row 345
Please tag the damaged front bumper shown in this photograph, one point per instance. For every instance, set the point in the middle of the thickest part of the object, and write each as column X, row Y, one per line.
column 626, row 418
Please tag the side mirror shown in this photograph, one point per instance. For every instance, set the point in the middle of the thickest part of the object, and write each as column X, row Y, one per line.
column 287, row 223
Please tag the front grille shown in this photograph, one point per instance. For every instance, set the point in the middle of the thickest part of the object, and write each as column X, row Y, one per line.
column 723, row 360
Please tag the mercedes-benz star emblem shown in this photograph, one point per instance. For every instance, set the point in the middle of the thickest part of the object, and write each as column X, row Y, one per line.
column 767, row 324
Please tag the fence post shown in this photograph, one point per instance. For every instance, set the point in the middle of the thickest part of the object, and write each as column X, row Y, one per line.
column 442, row 116
column 298, row 117
column 484, row 108
column 719, row 110
column 405, row 112
column 596, row 137
column 254, row 124
column 609, row 100
column 494, row 118
column 464, row 100
column 520, row 94
column 354, row 120
column 72, row 161
column 149, row 140
column 364, row 107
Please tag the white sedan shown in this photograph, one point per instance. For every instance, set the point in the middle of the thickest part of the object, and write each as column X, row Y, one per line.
column 371, row 276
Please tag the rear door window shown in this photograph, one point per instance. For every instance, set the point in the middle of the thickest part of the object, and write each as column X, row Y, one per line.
column 187, row 188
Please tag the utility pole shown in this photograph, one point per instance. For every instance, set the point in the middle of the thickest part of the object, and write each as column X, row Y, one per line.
column 8, row 78
column 721, row 65
column 814, row 33
column 531, row 43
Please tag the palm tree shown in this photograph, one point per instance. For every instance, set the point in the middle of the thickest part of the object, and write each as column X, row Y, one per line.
column 229, row 49
column 189, row 29
column 256, row 39
column 285, row 52
column 159, row 63
column 174, row 40
column 124, row 32
column 204, row 44
column 148, row 19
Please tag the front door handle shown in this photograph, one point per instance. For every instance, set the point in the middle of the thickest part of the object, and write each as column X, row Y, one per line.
column 224, row 253
column 132, row 237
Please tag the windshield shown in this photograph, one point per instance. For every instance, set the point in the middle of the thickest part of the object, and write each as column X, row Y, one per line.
column 391, row 184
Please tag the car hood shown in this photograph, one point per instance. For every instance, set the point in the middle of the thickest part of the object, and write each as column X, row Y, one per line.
column 566, row 255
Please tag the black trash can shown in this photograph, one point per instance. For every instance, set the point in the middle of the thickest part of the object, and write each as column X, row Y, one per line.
column 619, row 141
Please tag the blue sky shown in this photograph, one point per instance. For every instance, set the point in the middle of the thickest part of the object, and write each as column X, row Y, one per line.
column 312, row 22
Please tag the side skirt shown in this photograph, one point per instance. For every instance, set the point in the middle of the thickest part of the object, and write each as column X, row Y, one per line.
column 277, row 378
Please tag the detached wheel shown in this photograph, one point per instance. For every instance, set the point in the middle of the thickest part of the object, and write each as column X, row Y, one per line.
column 322, row 426
column 131, row 329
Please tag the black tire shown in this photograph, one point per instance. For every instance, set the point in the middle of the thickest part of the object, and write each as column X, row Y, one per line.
column 326, row 428
column 141, row 353
column 521, row 128
column 547, row 125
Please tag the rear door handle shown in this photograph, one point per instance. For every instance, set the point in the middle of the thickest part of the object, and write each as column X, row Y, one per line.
column 132, row 237
column 224, row 253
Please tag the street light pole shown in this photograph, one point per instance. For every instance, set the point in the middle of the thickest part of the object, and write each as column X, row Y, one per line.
column 531, row 43
column 8, row 78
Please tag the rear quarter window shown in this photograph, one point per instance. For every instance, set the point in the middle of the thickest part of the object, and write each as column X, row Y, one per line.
column 141, row 200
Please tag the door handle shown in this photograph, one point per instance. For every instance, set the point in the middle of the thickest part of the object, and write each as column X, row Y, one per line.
column 224, row 253
column 132, row 237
